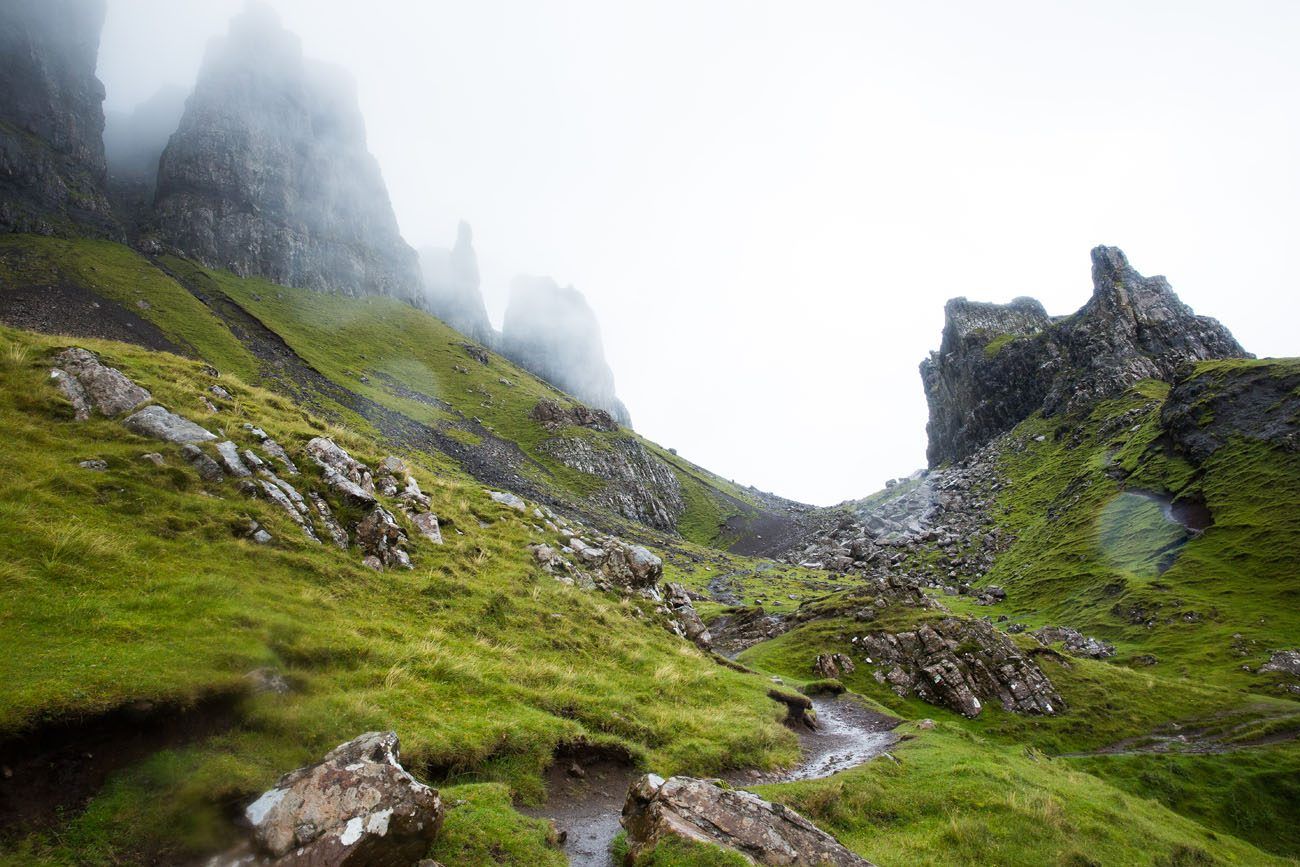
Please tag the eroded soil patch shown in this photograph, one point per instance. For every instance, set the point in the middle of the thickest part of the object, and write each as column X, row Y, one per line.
column 53, row 771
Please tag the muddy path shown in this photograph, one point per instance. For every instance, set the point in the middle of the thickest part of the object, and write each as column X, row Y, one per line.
column 586, row 792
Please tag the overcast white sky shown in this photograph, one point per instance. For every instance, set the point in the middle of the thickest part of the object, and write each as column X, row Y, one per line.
column 768, row 203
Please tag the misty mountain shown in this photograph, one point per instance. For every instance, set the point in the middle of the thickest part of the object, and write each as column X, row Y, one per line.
column 552, row 331
column 451, row 287
column 52, row 168
column 268, row 173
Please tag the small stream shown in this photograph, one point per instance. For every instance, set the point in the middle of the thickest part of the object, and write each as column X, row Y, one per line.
column 587, row 807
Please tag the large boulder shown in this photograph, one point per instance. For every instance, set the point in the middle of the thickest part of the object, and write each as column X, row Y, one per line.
column 699, row 811
column 156, row 422
column 356, row 807
column 91, row 386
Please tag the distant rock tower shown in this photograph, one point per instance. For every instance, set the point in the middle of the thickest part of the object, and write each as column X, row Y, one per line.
column 997, row 364
column 269, row 173
column 451, row 286
column 553, row 332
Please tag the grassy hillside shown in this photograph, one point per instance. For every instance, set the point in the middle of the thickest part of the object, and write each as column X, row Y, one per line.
column 1191, row 619
column 1093, row 555
column 130, row 587
column 371, row 364
column 133, row 608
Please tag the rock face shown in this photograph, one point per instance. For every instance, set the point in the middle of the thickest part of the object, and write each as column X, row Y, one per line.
column 451, row 287
column 699, row 811
column 268, row 173
column 997, row 364
column 638, row 485
column 357, row 806
column 960, row 664
column 552, row 332
column 52, row 170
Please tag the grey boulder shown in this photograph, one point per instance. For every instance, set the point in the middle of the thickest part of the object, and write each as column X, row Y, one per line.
column 358, row 806
column 702, row 812
column 91, row 386
column 156, row 422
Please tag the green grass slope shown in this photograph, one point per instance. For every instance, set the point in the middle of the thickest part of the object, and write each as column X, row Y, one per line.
column 381, row 350
column 132, row 586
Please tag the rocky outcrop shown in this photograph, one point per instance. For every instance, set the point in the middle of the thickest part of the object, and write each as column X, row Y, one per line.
column 268, row 173
column 699, row 811
column 1255, row 401
column 610, row 564
column 52, row 170
column 960, row 664
column 451, row 287
column 555, row 416
column 997, row 364
column 832, row 665
column 357, row 807
column 679, row 602
column 94, row 387
column 552, row 332
column 1074, row 642
column 345, row 474
column 638, row 485
column 1283, row 662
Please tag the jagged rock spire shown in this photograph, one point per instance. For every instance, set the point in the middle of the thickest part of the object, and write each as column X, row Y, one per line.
column 998, row 363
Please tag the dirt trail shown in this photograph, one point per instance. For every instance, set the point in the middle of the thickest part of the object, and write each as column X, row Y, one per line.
column 587, row 808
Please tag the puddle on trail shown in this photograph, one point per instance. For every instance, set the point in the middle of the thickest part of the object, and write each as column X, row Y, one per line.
column 587, row 808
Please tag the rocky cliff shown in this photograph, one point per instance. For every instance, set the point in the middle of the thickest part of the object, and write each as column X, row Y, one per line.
column 998, row 364
column 553, row 332
column 451, row 287
column 52, row 173
column 269, row 173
